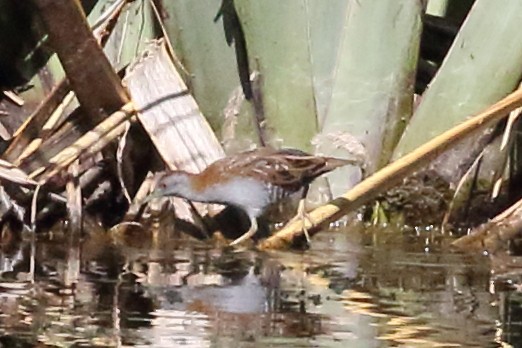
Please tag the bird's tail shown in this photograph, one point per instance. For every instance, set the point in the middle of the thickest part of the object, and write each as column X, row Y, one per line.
column 332, row 163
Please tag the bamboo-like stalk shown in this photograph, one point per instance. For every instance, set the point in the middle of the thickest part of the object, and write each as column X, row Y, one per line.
column 13, row 97
column 29, row 135
column 89, row 144
column 90, row 74
column 392, row 173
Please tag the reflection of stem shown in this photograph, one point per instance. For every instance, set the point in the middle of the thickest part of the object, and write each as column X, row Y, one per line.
column 154, row 268
column 31, row 259
column 33, row 233
column 74, row 210
column 116, row 321
column 72, row 273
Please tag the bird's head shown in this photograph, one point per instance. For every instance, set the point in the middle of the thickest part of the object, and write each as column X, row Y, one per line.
column 175, row 183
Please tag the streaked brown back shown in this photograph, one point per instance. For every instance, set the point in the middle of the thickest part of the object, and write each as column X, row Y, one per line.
column 287, row 168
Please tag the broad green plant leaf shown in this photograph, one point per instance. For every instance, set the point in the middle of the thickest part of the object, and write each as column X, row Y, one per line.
column 372, row 81
column 198, row 37
column 278, row 41
column 482, row 66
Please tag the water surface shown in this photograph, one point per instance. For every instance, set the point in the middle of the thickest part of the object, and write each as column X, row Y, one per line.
column 355, row 287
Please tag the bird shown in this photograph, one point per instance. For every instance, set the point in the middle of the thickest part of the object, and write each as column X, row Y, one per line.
column 251, row 181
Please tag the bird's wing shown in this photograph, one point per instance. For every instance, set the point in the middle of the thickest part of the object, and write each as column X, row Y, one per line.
column 290, row 169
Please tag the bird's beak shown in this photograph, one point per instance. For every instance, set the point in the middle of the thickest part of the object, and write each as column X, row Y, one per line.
column 153, row 195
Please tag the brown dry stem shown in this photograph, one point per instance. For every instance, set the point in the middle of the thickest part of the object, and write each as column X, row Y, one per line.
column 89, row 144
column 493, row 235
column 90, row 73
column 33, row 124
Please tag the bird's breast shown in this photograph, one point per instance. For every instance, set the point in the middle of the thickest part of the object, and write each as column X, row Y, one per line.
column 246, row 193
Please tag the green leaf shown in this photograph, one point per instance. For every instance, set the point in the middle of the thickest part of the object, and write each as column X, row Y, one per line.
column 372, row 80
column 278, row 42
column 483, row 66
column 198, row 39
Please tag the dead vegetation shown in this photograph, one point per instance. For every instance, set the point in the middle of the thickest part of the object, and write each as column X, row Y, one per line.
column 91, row 146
